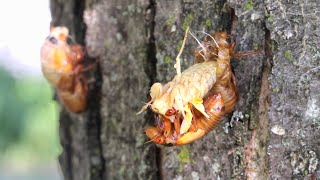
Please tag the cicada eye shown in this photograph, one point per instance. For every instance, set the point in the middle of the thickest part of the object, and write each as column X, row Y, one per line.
column 160, row 140
column 52, row 39
column 170, row 112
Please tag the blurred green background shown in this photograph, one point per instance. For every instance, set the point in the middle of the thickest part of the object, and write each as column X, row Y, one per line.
column 29, row 140
column 29, row 144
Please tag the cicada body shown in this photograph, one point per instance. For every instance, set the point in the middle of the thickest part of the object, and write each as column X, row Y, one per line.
column 182, row 93
column 62, row 65
column 197, row 98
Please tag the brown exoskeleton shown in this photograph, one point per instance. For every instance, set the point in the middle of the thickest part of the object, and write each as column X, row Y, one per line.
column 194, row 102
column 62, row 66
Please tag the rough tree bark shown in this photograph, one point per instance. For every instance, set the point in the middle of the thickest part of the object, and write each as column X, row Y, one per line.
column 274, row 132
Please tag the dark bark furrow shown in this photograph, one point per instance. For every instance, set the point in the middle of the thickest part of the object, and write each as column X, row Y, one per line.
column 97, row 161
column 79, row 25
column 151, row 70
column 93, row 117
column 65, row 141
column 151, row 60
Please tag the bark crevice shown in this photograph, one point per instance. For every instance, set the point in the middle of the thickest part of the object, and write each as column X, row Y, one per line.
column 65, row 141
column 97, row 161
column 93, row 117
column 150, row 68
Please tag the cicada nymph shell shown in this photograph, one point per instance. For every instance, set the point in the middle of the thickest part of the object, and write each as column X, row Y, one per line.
column 194, row 102
column 62, row 66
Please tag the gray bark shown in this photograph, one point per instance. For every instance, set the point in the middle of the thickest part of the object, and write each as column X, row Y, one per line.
column 274, row 132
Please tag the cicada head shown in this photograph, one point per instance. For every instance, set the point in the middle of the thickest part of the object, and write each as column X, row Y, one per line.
column 56, row 55
column 60, row 33
column 159, row 106
column 156, row 91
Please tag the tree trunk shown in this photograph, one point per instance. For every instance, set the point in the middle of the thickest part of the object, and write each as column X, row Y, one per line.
column 274, row 132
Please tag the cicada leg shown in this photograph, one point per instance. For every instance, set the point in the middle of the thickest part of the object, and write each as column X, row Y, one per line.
column 190, row 137
column 237, row 55
column 76, row 55
column 214, row 107
column 177, row 123
column 155, row 134
column 166, row 126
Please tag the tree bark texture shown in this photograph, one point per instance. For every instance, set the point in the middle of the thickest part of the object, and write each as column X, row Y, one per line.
column 274, row 132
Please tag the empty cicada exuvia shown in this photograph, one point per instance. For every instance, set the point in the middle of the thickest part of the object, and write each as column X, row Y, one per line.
column 194, row 102
column 62, row 65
